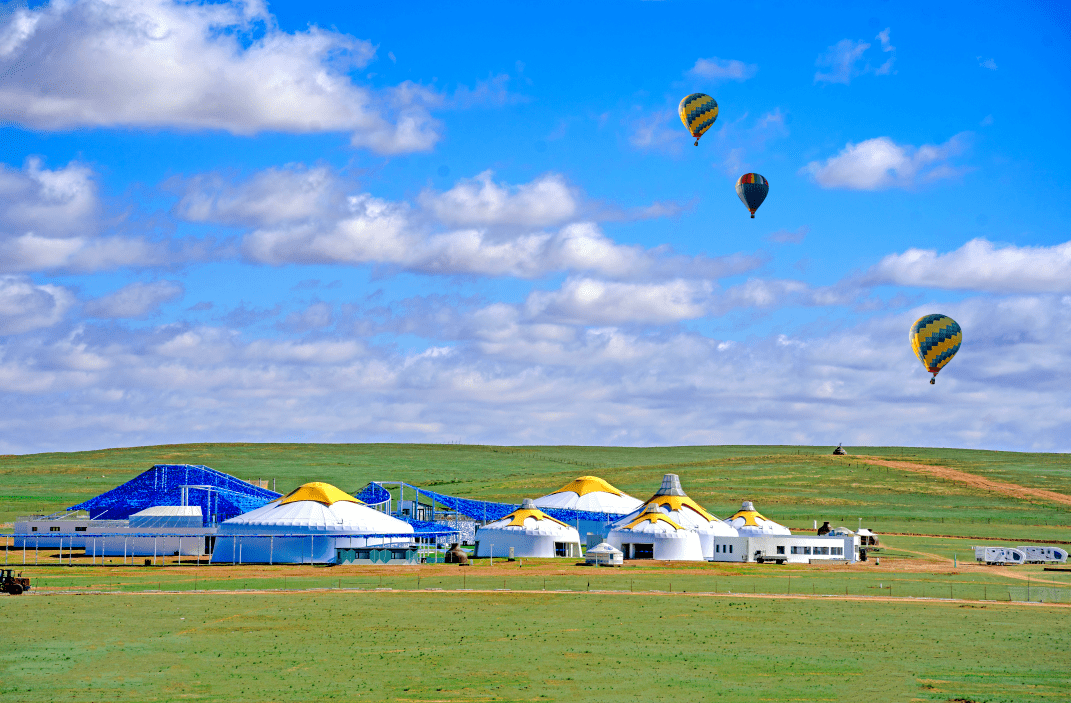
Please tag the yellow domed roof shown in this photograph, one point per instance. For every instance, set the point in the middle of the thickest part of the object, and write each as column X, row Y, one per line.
column 652, row 517
column 588, row 484
column 517, row 517
column 320, row 492
column 675, row 503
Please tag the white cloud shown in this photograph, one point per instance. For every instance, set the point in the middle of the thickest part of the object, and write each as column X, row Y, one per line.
column 880, row 163
column 302, row 216
column 591, row 301
column 137, row 300
column 222, row 66
column 548, row 200
column 658, row 131
column 50, row 219
column 987, row 63
column 513, row 379
column 842, row 60
column 25, row 306
column 722, row 69
column 979, row 265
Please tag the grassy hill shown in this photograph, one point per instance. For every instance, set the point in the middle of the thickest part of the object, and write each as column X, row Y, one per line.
column 794, row 485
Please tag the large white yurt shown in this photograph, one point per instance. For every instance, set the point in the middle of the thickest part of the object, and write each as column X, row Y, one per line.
column 530, row 532
column 654, row 535
column 306, row 526
column 684, row 511
column 592, row 494
column 748, row 521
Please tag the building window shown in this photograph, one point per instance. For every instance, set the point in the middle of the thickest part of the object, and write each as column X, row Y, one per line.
column 797, row 550
column 80, row 529
column 643, row 551
column 560, row 549
column 806, row 550
column 838, row 551
column 780, row 549
column 53, row 529
column 33, row 529
column 730, row 549
column 821, row 550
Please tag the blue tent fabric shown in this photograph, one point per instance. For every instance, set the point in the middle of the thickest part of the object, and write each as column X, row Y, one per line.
column 481, row 510
column 220, row 495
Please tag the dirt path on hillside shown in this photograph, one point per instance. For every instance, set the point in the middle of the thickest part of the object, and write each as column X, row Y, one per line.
column 1013, row 490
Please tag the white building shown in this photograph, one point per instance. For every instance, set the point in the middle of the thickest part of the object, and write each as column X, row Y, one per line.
column 785, row 549
column 163, row 530
column 307, row 526
column 749, row 521
column 654, row 535
column 684, row 511
column 528, row 532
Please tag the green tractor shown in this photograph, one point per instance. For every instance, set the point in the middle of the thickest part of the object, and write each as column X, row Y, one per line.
column 15, row 585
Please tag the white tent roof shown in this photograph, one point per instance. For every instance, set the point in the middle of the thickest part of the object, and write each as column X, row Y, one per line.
column 672, row 500
column 170, row 511
column 590, row 493
column 530, row 520
column 603, row 548
column 325, row 512
column 748, row 521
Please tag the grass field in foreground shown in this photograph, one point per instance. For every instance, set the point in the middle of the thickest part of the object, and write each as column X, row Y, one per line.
column 446, row 647
column 793, row 485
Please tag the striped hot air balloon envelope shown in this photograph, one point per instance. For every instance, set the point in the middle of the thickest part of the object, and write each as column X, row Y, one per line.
column 698, row 112
column 752, row 189
column 935, row 339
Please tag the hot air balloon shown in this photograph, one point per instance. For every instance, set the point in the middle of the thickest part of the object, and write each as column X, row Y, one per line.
column 698, row 111
column 752, row 189
column 935, row 339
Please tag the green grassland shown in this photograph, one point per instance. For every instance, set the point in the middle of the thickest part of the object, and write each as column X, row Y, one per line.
column 444, row 647
column 794, row 485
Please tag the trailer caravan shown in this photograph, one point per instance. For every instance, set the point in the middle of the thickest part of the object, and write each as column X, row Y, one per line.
column 999, row 555
column 1038, row 554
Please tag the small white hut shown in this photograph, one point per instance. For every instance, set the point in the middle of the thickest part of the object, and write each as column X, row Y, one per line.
column 603, row 554
column 530, row 533
column 654, row 535
column 749, row 521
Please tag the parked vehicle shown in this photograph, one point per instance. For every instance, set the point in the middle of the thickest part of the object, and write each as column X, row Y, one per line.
column 1038, row 554
column 15, row 585
column 999, row 555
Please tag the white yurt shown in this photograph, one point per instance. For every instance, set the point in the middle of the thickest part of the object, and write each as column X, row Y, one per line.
column 530, row 532
column 684, row 511
column 306, row 526
column 592, row 494
column 603, row 554
column 654, row 535
column 748, row 521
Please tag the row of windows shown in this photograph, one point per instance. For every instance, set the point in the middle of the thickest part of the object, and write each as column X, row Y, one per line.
column 33, row 528
column 824, row 551
column 720, row 548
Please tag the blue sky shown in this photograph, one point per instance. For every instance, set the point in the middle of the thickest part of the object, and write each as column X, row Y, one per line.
column 485, row 223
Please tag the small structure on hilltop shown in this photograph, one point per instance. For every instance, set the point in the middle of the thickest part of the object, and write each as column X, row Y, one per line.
column 684, row 511
column 654, row 535
column 604, row 554
column 749, row 521
column 839, row 451
column 527, row 532
column 867, row 538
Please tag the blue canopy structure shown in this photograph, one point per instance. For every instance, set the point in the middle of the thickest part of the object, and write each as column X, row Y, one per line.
column 220, row 495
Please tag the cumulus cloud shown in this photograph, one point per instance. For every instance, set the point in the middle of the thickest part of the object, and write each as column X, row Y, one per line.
column 880, row 163
column 842, row 60
column 226, row 66
column 987, row 63
column 716, row 69
column 137, row 300
column 478, row 227
column 592, row 301
column 25, row 306
column 548, row 200
column 979, row 265
column 50, row 219
column 512, row 379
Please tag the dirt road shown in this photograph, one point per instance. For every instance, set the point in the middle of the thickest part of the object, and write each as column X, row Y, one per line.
column 1013, row 490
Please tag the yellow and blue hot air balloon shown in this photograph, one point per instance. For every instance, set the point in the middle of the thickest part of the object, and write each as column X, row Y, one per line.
column 752, row 189
column 698, row 111
column 935, row 339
